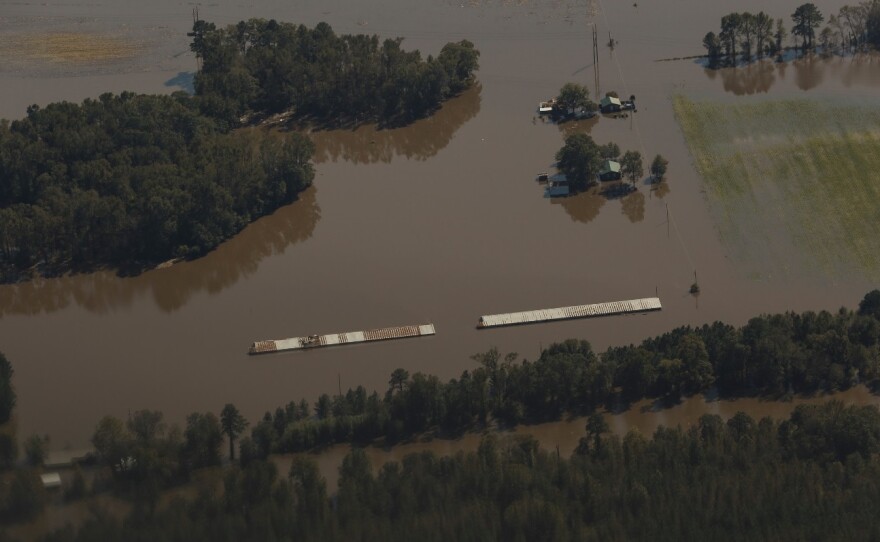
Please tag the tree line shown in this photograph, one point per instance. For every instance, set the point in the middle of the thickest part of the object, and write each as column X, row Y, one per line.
column 854, row 28
column 131, row 180
column 772, row 356
column 263, row 67
column 813, row 476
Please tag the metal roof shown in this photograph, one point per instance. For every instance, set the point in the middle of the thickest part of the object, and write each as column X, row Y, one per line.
column 610, row 166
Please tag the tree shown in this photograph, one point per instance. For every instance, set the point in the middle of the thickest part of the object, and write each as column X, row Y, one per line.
column 596, row 427
column 111, row 441
column 609, row 151
column 7, row 392
column 203, row 436
column 763, row 29
column 36, row 448
column 712, row 45
column 579, row 159
column 460, row 61
column 573, row 96
column 780, row 35
column 730, row 28
column 807, row 18
column 870, row 304
column 233, row 424
column 631, row 166
column 658, row 167
column 747, row 31
column 872, row 24
column 398, row 380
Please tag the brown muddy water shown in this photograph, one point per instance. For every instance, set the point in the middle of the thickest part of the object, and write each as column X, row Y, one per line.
column 437, row 222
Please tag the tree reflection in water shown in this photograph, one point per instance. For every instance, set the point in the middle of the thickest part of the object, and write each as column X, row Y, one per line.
column 419, row 141
column 172, row 287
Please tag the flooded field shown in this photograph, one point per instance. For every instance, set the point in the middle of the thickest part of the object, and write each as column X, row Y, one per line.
column 440, row 222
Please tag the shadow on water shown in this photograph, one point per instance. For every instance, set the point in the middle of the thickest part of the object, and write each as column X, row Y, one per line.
column 172, row 287
column 183, row 81
column 420, row 140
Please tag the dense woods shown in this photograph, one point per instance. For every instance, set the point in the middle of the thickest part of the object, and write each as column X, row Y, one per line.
column 814, row 476
column 261, row 66
column 129, row 180
column 853, row 28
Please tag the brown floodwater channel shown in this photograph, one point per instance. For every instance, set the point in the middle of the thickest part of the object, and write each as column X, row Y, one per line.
column 441, row 221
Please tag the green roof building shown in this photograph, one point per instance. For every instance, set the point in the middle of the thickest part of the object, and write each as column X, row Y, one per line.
column 610, row 171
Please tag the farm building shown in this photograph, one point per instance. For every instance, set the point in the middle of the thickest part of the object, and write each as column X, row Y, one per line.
column 610, row 171
column 610, row 104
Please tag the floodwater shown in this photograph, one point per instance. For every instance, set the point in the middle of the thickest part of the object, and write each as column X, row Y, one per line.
column 437, row 222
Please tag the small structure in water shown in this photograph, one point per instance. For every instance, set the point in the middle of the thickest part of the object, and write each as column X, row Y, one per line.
column 316, row 341
column 565, row 313
column 610, row 171
column 558, row 187
column 610, row 104
column 547, row 107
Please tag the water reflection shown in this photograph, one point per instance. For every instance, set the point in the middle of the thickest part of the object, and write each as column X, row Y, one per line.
column 583, row 207
column 633, row 206
column 577, row 126
column 810, row 72
column 171, row 288
column 420, row 140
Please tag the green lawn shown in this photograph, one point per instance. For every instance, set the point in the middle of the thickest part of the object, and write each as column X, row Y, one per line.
column 794, row 185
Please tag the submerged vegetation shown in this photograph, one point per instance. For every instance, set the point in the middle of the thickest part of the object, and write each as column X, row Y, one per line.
column 791, row 182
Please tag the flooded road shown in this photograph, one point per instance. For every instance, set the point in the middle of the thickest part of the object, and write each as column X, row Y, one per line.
column 438, row 222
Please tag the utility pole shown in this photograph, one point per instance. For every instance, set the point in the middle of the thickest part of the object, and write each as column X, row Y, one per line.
column 596, row 58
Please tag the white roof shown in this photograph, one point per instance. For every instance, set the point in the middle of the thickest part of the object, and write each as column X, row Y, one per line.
column 51, row 479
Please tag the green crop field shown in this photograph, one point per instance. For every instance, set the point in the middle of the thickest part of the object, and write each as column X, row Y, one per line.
column 794, row 185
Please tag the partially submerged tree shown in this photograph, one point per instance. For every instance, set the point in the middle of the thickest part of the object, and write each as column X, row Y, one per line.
column 807, row 18
column 36, row 448
column 631, row 166
column 712, row 45
column 658, row 167
column 579, row 159
column 233, row 424
column 573, row 96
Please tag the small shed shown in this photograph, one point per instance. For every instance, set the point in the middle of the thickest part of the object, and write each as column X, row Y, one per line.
column 610, row 171
column 610, row 104
column 51, row 480
column 558, row 187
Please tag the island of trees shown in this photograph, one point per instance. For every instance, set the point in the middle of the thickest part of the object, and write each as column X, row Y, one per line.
column 813, row 475
column 854, row 28
column 263, row 67
column 129, row 181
